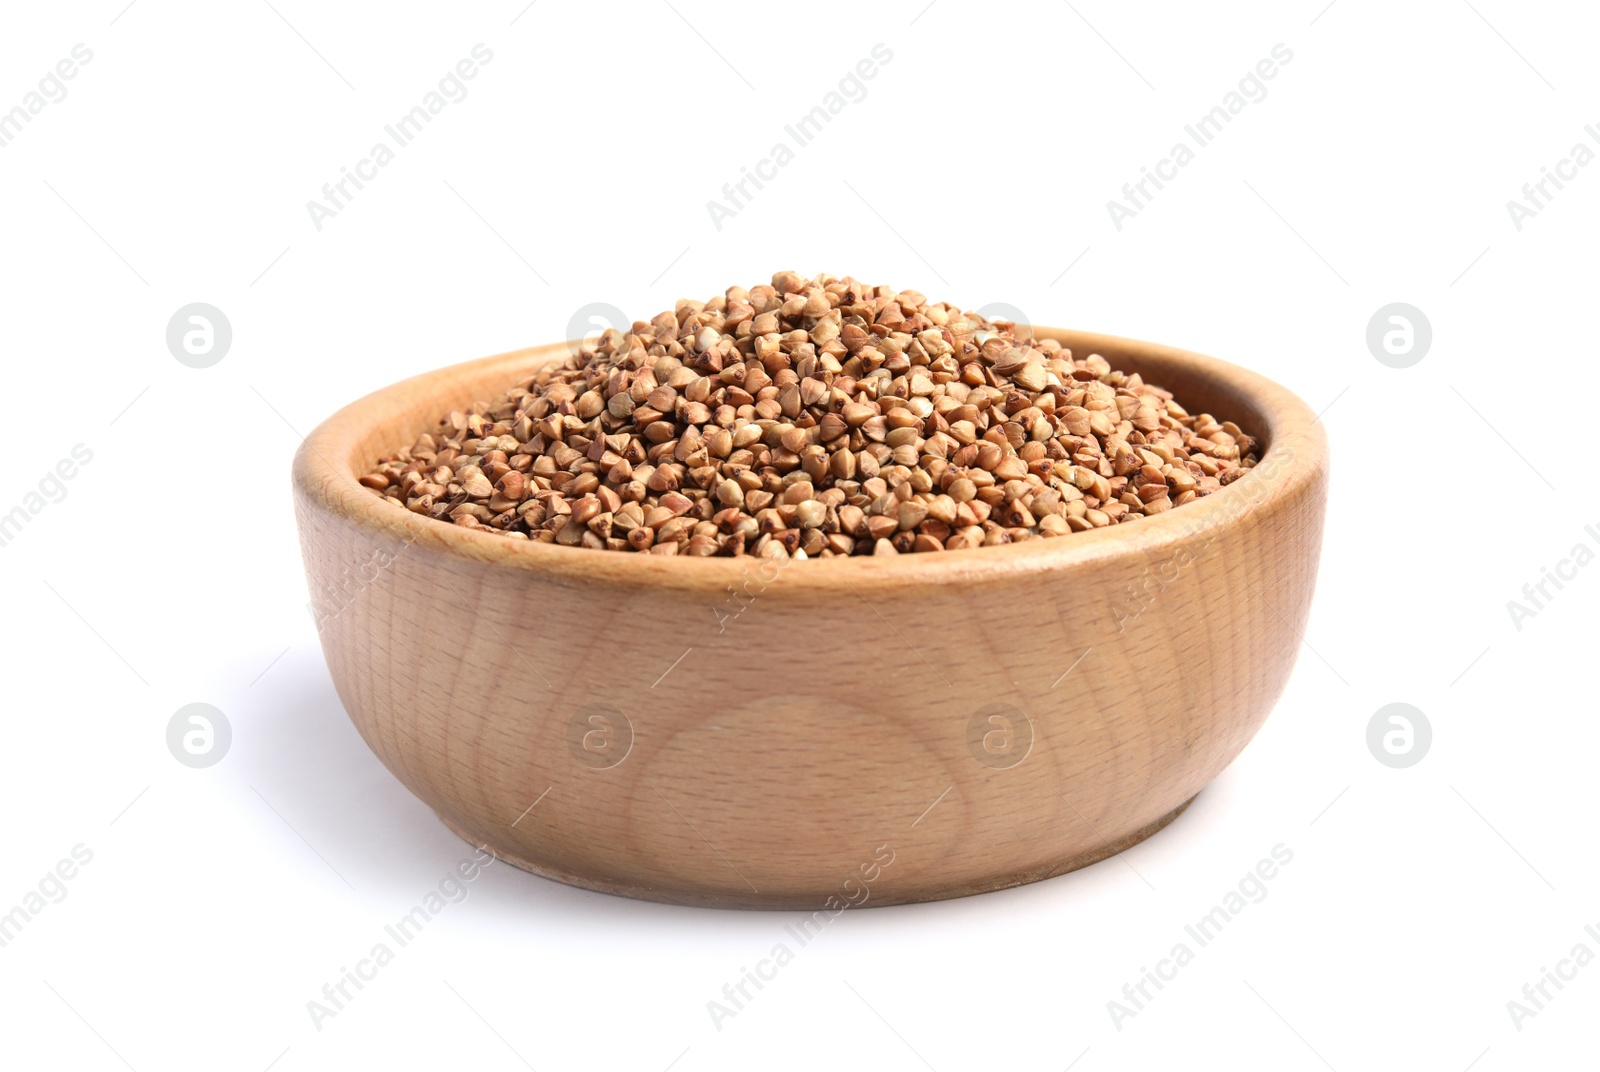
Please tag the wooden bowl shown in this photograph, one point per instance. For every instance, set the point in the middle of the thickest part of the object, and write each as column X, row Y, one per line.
column 815, row 734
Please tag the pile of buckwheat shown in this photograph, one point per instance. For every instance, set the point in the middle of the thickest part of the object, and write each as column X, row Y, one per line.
column 812, row 418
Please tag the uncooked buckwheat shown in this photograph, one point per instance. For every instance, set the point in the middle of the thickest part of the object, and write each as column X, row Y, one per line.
column 812, row 418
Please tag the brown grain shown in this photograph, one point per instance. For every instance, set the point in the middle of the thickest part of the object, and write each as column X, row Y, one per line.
column 814, row 418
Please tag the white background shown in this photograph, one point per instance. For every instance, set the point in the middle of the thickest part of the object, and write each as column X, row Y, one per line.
column 219, row 901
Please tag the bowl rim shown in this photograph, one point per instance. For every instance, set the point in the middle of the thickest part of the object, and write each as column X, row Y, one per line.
column 1296, row 442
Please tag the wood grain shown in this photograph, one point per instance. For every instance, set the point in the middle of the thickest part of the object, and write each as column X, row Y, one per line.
column 977, row 718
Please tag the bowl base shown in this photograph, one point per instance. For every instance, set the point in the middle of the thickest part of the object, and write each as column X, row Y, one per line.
column 731, row 898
